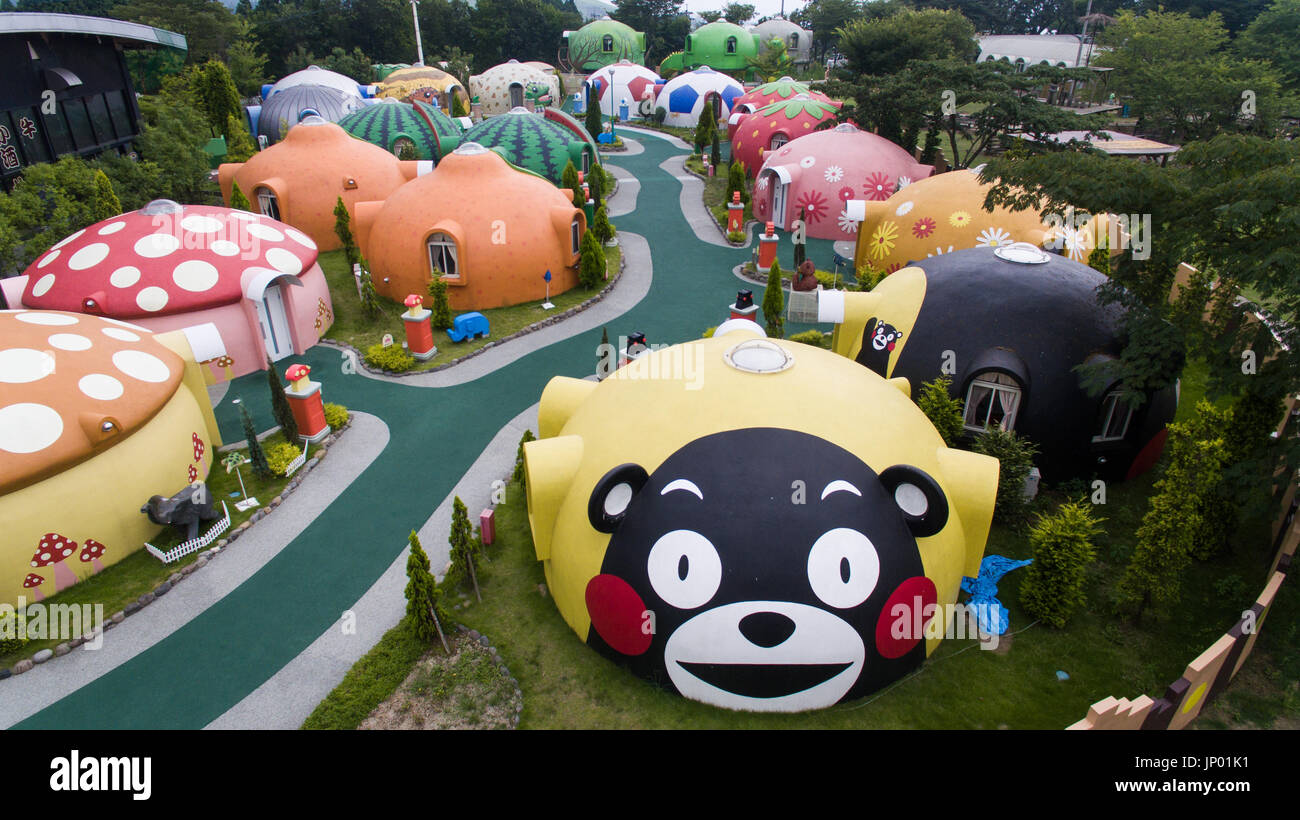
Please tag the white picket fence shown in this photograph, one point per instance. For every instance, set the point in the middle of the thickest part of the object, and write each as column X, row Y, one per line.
column 297, row 462
column 194, row 544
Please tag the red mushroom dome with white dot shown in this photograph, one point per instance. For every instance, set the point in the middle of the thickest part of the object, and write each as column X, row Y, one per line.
column 72, row 385
column 162, row 259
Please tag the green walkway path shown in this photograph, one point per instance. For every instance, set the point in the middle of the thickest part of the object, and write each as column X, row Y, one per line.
column 207, row 666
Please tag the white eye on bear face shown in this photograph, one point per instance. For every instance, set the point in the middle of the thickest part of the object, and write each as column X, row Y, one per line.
column 684, row 569
column 843, row 568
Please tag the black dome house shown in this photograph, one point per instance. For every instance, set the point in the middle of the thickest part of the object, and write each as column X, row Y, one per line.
column 1010, row 326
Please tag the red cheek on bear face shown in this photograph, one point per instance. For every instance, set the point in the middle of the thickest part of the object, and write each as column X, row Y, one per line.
column 902, row 622
column 616, row 612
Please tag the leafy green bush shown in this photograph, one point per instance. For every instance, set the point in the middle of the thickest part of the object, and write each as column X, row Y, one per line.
column 336, row 415
column 1175, row 513
column 659, row 115
column 279, row 455
column 736, row 236
column 812, row 337
column 943, row 411
column 1063, row 548
column 393, row 359
column 1015, row 459
column 519, row 474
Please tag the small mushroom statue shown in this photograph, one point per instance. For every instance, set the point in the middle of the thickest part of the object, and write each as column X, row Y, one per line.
column 300, row 376
column 414, row 304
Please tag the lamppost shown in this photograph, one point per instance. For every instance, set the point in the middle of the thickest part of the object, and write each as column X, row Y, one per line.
column 419, row 46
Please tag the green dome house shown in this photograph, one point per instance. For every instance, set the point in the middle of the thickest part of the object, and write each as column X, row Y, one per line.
column 600, row 43
column 722, row 47
column 534, row 143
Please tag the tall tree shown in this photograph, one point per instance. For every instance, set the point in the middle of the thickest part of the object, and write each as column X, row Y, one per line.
column 886, row 44
column 826, row 18
column 1181, row 81
column 280, row 404
column 422, row 595
column 664, row 23
column 1273, row 36
column 209, row 27
column 738, row 13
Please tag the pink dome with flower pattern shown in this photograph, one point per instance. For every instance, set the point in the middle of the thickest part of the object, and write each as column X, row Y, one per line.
column 821, row 172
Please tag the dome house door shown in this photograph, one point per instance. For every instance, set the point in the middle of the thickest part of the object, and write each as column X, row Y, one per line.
column 274, row 323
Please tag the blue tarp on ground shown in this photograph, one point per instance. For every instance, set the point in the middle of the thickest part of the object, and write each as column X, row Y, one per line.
column 992, row 615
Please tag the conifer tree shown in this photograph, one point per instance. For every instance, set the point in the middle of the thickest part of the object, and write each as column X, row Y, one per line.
column 463, row 545
column 422, row 596
column 106, row 203
column 280, row 405
column 256, row 457
column 715, row 154
column 704, row 128
column 438, row 299
column 601, row 226
column 520, row 475
column 343, row 229
column 774, row 302
column 591, row 270
column 944, row 412
column 596, row 182
column 594, row 121
column 239, row 143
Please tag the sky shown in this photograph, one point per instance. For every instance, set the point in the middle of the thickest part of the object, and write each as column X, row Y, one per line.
column 761, row 7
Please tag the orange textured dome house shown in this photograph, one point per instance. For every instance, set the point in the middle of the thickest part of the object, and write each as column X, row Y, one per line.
column 492, row 230
column 299, row 179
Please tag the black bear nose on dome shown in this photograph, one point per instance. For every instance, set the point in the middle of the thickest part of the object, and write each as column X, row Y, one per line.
column 766, row 629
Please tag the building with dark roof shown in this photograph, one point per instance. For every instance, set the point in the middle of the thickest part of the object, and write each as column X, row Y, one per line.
column 65, row 88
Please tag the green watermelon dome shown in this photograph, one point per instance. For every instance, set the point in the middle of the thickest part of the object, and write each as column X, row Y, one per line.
column 392, row 125
column 534, row 143
column 602, row 42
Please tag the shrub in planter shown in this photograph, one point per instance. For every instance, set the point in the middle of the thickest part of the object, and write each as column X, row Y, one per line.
column 736, row 236
column 336, row 415
column 278, row 456
column 393, row 358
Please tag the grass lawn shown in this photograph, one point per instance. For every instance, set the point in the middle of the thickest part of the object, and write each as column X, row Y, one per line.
column 351, row 326
column 370, row 681
column 567, row 685
column 121, row 583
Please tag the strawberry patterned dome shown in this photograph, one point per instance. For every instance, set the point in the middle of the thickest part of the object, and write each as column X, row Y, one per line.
column 820, row 173
column 776, row 124
column 164, row 259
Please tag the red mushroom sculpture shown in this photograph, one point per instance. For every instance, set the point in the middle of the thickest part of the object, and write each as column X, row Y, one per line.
column 34, row 581
column 298, row 374
column 91, row 552
column 198, row 446
column 414, row 303
column 52, row 551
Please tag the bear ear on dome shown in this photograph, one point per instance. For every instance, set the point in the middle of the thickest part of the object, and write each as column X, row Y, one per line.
column 613, row 494
column 919, row 498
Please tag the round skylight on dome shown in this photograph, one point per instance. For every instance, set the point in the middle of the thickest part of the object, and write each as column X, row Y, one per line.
column 312, row 119
column 759, row 356
column 845, row 128
column 161, row 206
column 519, row 109
column 470, row 149
column 1022, row 253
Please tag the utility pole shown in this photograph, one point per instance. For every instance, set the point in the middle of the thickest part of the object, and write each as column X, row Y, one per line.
column 419, row 46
